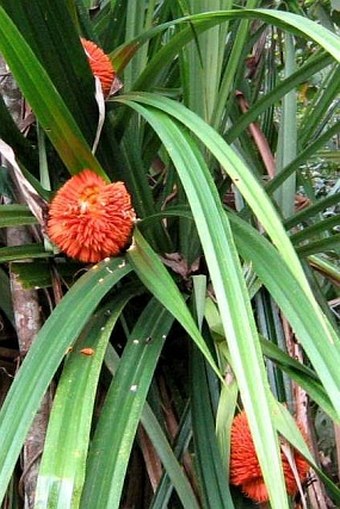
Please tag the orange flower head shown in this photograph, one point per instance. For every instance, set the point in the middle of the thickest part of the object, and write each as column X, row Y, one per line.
column 100, row 65
column 89, row 219
column 245, row 470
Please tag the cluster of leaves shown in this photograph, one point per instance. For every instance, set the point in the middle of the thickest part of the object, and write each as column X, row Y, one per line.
column 220, row 254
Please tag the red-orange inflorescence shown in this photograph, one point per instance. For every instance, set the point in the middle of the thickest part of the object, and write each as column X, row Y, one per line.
column 245, row 470
column 100, row 65
column 89, row 219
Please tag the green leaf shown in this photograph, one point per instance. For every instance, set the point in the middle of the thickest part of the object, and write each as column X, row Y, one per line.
column 232, row 66
column 15, row 215
column 299, row 25
column 174, row 476
column 324, row 353
column 312, row 210
column 10, row 133
column 257, row 250
column 287, row 21
column 231, row 293
column 55, row 41
column 50, row 346
column 213, row 477
column 62, row 470
column 14, row 253
column 210, row 463
column 301, row 159
column 37, row 273
column 287, row 426
column 287, row 145
column 6, row 296
column 331, row 243
column 323, row 102
column 45, row 100
column 116, row 428
column 325, row 356
column 155, row 277
column 307, row 70
column 325, row 266
column 313, row 230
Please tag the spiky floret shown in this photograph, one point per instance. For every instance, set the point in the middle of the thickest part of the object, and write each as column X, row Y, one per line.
column 245, row 469
column 100, row 65
column 89, row 219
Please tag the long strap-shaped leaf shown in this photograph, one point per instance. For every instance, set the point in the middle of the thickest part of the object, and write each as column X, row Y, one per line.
column 211, row 463
column 156, row 278
column 325, row 353
column 224, row 266
column 45, row 100
column 289, row 21
column 210, row 467
column 62, row 470
column 50, row 31
column 285, row 20
column 265, row 260
column 45, row 355
column 115, row 432
column 15, row 215
column 174, row 476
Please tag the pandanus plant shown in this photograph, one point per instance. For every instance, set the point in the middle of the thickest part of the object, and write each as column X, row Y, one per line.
column 169, row 271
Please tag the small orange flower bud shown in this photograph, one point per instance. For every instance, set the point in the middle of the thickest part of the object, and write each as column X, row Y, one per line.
column 100, row 65
column 245, row 469
column 89, row 219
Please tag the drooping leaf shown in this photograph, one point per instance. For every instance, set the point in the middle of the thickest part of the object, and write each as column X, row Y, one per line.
column 46, row 354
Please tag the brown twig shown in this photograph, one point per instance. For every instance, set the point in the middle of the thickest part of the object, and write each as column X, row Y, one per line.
column 337, row 443
column 152, row 461
column 259, row 138
column 27, row 320
column 265, row 152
